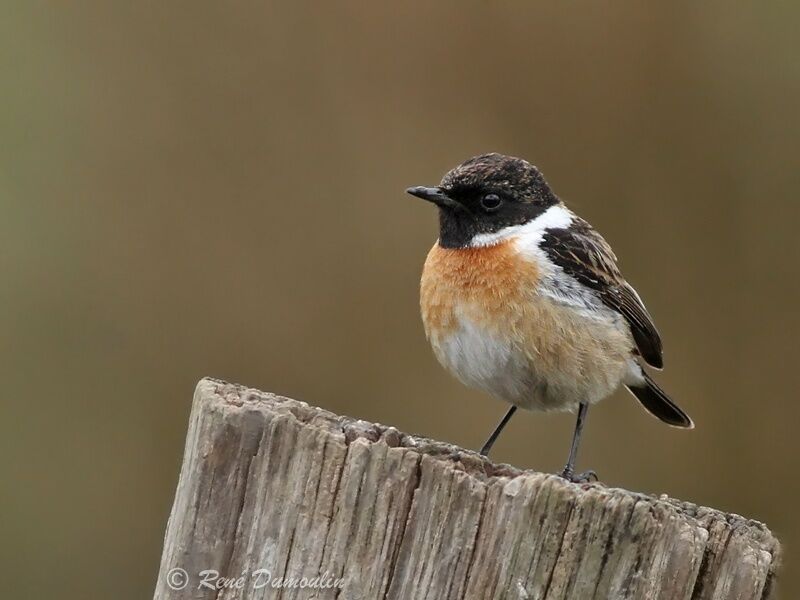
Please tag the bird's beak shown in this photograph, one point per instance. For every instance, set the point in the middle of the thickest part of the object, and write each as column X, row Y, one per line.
column 433, row 194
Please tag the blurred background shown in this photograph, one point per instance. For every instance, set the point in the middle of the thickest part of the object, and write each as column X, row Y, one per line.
column 212, row 188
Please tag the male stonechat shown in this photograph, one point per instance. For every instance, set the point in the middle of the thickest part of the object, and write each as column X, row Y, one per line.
column 523, row 299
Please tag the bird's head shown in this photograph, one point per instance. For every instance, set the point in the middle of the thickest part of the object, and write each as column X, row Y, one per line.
column 485, row 195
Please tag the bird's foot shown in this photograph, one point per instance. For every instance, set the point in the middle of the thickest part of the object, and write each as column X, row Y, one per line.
column 585, row 477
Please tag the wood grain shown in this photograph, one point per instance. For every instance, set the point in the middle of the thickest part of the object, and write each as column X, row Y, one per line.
column 273, row 485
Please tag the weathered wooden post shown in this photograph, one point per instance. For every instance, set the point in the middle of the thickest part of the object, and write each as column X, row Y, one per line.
column 278, row 499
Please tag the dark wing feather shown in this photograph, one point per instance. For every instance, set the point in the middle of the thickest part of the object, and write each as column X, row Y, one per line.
column 584, row 255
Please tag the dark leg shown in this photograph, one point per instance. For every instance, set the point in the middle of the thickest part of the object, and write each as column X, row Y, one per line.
column 492, row 438
column 569, row 471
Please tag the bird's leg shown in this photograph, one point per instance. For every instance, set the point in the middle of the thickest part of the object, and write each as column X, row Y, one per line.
column 500, row 426
column 569, row 471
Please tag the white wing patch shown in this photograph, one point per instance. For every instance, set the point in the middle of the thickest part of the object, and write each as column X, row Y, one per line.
column 555, row 283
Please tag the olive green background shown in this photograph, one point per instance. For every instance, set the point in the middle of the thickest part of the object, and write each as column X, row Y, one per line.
column 216, row 188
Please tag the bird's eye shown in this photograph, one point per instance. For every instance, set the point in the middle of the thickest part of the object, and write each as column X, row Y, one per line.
column 491, row 202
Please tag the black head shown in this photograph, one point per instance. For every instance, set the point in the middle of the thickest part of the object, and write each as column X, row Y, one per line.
column 486, row 194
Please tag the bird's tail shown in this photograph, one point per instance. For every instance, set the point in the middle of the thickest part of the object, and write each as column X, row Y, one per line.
column 658, row 404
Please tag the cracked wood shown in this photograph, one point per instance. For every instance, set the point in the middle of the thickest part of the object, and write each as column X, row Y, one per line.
column 272, row 484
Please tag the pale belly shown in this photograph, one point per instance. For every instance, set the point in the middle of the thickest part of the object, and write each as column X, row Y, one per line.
column 552, row 363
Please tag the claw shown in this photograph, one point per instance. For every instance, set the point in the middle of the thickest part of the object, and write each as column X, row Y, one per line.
column 585, row 477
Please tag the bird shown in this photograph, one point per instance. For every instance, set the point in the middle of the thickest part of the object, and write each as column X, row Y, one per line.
column 522, row 299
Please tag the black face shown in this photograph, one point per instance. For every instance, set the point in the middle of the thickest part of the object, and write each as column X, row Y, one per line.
column 485, row 194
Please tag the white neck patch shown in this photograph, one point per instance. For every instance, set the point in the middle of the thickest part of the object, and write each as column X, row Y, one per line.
column 557, row 216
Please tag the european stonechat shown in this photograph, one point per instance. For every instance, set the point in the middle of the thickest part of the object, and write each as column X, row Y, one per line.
column 523, row 299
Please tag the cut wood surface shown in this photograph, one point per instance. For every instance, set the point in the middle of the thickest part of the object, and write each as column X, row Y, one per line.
column 279, row 499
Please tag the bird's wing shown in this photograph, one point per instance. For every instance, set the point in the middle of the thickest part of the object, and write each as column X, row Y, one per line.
column 585, row 256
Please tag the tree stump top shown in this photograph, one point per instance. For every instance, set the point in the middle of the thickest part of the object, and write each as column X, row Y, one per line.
column 273, row 486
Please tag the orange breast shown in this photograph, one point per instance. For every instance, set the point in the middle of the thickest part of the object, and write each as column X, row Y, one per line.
column 493, row 282
column 493, row 329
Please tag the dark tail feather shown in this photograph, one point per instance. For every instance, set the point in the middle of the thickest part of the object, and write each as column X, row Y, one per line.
column 659, row 405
